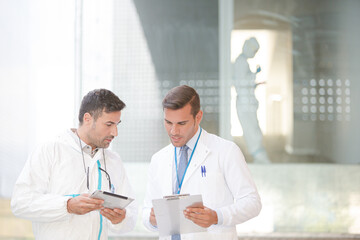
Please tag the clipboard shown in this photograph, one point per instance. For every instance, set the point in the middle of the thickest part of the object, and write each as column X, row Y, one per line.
column 112, row 200
column 170, row 217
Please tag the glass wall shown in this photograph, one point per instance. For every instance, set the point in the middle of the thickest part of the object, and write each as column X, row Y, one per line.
column 295, row 76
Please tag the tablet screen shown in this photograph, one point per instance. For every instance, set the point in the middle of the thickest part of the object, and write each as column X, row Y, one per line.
column 112, row 200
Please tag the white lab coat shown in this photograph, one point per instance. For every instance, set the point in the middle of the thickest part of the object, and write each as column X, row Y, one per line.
column 55, row 170
column 227, row 187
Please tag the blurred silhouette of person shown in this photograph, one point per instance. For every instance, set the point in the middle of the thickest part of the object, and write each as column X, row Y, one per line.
column 246, row 102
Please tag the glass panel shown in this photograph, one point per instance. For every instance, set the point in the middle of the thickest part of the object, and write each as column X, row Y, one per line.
column 295, row 78
column 154, row 53
column 294, row 85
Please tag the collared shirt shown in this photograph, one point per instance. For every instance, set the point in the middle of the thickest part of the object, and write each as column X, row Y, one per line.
column 191, row 144
column 85, row 147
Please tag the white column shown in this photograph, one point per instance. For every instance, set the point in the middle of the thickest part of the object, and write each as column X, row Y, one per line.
column 225, row 75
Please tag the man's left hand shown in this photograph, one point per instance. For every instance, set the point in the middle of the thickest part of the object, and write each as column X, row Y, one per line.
column 115, row 215
column 204, row 217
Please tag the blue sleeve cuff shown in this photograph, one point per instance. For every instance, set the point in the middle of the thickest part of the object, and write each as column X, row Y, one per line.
column 152, row 226
column 72, row 195
column 220, row 217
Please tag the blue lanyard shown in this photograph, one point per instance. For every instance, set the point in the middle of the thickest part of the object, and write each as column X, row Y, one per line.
column 192, row 153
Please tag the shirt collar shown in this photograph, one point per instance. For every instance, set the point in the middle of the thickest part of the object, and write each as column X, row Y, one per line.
column 191, row 143
column 85, row 147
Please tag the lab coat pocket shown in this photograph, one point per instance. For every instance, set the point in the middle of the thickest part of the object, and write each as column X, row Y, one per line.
column 212, row 189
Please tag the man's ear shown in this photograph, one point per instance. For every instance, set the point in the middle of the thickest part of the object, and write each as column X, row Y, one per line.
column 198, row 117
column 87, row 118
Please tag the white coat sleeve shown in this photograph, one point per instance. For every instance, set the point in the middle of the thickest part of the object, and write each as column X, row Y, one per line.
column 31, row 199
column 129, row 222
column 149, row 196
column 247, row 203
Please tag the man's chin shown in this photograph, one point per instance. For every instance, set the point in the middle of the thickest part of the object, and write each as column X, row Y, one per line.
column 105, row 145
column 177, row 144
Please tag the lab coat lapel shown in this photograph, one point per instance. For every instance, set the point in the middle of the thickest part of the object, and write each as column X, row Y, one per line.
column 166, row 175
column 200, row 155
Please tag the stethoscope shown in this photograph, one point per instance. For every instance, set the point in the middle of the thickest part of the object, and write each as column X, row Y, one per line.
column 111, row 187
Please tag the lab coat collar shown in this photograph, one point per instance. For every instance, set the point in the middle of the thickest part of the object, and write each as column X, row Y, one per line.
column 168, row 170
column 200, row 155
column 85, row 147
column 191, row 143
column 72, row 139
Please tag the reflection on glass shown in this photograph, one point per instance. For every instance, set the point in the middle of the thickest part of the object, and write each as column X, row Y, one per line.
column 307, row 53
column 247, row 104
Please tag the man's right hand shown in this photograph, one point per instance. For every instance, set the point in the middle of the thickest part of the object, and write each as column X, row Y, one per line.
column 83, row 204
column 152, row 218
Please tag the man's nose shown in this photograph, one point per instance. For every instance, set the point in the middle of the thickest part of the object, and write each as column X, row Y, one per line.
column 174, row 130
column 114, row 131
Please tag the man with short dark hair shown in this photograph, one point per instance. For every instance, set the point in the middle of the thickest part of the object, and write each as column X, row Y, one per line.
column 197, row 162
column 54, row 187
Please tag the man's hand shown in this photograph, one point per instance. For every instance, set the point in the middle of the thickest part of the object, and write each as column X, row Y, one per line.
column 115, row 215
column 83, row 204
column 204, row 217
column 152, row 218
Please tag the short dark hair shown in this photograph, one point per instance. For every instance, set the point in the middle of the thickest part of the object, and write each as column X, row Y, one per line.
column 180, row 96
column 97, row 101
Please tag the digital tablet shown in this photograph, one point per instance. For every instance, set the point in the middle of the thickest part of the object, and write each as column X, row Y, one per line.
column 112, row 200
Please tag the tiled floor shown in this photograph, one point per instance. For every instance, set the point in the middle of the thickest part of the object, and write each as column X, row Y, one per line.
column 300, row 236
column 11, row 227
column 279, row 236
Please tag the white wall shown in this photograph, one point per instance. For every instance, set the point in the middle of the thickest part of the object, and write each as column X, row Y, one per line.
column 36, row 79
